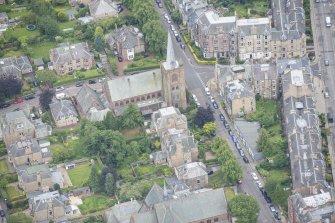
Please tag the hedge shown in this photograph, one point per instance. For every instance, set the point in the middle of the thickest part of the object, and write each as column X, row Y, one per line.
column 133, row 69
column 199, row 61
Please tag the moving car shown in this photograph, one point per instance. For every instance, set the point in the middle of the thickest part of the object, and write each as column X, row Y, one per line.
column 254, row 176
column 60, row 88
column 18, row 100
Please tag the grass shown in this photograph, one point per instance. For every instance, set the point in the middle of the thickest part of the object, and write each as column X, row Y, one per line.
column 80, row 174
column 95, row 203
column 129, row 133
column 216, row 180
column 20, row 33
column 12, row 53
column 65, row 152
column 3, row 166
column 145, row 64
column 19, row 217
column 151, row 169
column 41, row 49
column 230, row 194
column 13, row 193
column 66, row 25
column 256, row 9
column 14, row 14
column 88, row 74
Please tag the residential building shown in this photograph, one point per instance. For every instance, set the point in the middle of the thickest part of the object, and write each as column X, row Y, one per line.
column 90, row 104
column 35, row 178
column 316, row 206
column 101, row 9
column 2, row 2
column 48, row 207
column 265, row 80
column 122, row 212
column 143, row 89
column 127, row 41
column 68, row 58
column 215, row 35
column 42, row 132
column 208, row 206
column 288, row 35
column 28, row 152
column 173, row 79
column 194, row 175
column 39, row 63
column 74, row 3
column 180, row 147
column 168, row 118
column 16, row 126
column 64, row 113
column 189, row 8
column 3, row 18
column 15, row 67
column 239, row 98
column 254, row 37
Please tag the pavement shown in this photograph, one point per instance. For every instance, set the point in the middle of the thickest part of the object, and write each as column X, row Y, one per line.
column 324, row 50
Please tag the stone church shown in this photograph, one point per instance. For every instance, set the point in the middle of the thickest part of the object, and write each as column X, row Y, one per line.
column 149, row 90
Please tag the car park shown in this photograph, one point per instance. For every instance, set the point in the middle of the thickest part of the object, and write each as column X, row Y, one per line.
column 215, row 105
column 241, row 152
column 178, row 39
column 92, row 81
column 272, row 208
column 254, row 176
column 4, row 105
column 222, row 117
column 29, row 97
column 245, row 159
column 60, row 88
column 18, row 101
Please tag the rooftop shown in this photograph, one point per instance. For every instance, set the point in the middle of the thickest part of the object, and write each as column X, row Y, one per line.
column 191, row 170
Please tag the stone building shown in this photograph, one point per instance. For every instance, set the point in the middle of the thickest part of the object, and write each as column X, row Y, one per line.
column 194, row 175
column 64, row 113
column 265, row 80
column 15, row 67
column 101, row 9
column 35, row 178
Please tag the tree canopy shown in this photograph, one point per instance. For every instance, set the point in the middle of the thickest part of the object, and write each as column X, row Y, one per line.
column 9, row 87
column 155, row 36
column 46, row 98
column 131, row 117
column 245, row 208
column 203, row 116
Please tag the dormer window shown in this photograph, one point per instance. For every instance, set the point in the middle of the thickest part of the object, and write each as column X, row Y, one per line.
column 19, row 126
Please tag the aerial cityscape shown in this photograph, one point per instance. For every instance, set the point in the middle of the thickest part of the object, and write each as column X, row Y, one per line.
column 167, row 111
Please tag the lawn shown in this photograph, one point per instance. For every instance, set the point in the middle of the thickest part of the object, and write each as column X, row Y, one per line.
column 251, row 9
column 20, row 33
column 13, row 193
column 95, row 203
column 19, row 217
column 12, row 53
column 88, row 74
column 230, row 194
column 151, row 169
column 130, row 133
column 41, row 49
column 80, row 174
column 68, row 151
column 66, row 25
column 14, row 14
column 3, row 166
column 144, row 64
column 216, row 180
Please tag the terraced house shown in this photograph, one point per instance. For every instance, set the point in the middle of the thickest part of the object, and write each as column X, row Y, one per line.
column 15, row 67
column 68, row 58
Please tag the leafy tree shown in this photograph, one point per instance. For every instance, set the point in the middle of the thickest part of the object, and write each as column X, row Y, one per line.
column 56, row 186
column 41, row 7
column 62, row 16
column 232, row 170
column 132, row 117
column 82, row 12
column 128, row 191
column 109, row 184
column 128, row 3
column 19, row 218
column 245, row 208
column 209, row 128
column 19, row 1
column 48, row 26
column 95, row 179
column 46, row 98
column 263, row 141
column 175, row 16
column 3, row 183
column 46, row 77
column 280, row 160
column 94, row 219
column 9, row 87
column 111, row 122
column 144, row 11
column 203, row 116
column 155, row 36
column 99, row 43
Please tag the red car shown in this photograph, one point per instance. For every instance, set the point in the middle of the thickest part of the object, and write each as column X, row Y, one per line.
column 18, row 100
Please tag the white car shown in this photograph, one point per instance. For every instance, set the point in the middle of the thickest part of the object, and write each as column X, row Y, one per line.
column 272, row 208
column 254, row 176
column 175, row 33
column 168, row 21
column 166, row 16
column 172, row 28
column 207, row 91
column 195, row 98
column 58, row 89
column 212, row 99
column 259, row 184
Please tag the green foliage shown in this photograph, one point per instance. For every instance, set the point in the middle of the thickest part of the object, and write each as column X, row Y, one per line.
column 138, row 190
column 131, row 117
column 48, row 26
column 274, row 186
column 203, row 116
column 95, row 179
column 209, row 128
column 95, row 203
column 155, row 37
column 46, row 98
column 94, row 219
column 245, row 208
column 99, row 43
column 19, row 218
column 9, row 88
column 46, row 77
column 62, row 16
column 144, row 11
column 175, row 16
column 3, row 150
column 110, row 184
column 80, row 174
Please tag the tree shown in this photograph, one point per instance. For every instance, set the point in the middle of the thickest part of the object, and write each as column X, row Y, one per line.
column 46, row 77
column 280, row 160
column 99, row 43
column 111, row 122
column 109, row 184
column 175, row 16
column 62, row 16
column 132, row 117
column 46, row 98
column 48, row 26
column 263, row 141
column 144, row 12
column 155, row 36
column 209, row 128
column 9, row 87
column 203, row 116
column 232, row 170
column 95, row 179
column 56, row 186
column 245, row 208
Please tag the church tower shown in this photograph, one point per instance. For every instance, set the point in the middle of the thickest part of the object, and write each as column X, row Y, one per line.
column 173, row 79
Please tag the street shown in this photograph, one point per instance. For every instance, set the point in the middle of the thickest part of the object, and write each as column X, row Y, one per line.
column 197, row 77
column 324, row 47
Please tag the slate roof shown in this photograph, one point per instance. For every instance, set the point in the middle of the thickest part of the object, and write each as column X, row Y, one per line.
column 237, row 89
column 126, row 87
column 29, row 174
column 3, row 15
column 154, row 196
column 121, row 213
column 87, row 99
column 212, row 23
column 43, row 130
column 265, row 72
column 191, row 170
column 67, row 53
column 128, row 37
column 101, row 7
column 162, row 117
column 16, row 120
column 174, row 137
column 39, row 62
column 62, row 110
column 19, row 148
column 40, row 202
column 248, row 27
column 13, row 66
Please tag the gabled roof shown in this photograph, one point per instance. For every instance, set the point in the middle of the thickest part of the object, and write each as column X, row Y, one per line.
column 67, row 53
column 62, row 110
column 247, row 27
column 41, row 202
column 121, row 213
column 15, row 121
column 13, row 66
column 101, row 7
column 154, row 196
column 30, row 173
column 190, row 170
column 87, row 99
column 213, row 24
column 128, row 37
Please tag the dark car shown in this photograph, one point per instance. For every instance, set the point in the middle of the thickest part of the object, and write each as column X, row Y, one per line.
column 215, row 105
column 79, row 84
column 226, row 125
column 4, row 105
column 2, row 213
column 92, row 81
column 120, row 59
column 277, row 216
column 178, row 39
column 158, row 1
column 267, row 199
column 160, row 5
column 29, row 97
column 120, row 8
column 222, row 117
column 210, row 172
column 262, row 190
column 245, row 159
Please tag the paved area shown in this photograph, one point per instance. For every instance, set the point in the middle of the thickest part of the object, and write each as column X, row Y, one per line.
column 319, row 94
column 67, row 180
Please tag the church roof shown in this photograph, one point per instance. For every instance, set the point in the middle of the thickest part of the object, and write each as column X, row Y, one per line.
column 171, row 61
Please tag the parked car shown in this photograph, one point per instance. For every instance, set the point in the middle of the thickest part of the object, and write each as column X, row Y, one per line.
column 198, row 105
column 92, row 81
column 17, row 109
column 234, row 139
column 35, row 83
column 272, row 208
column 226, row 125
column 239, row 181
column 230, row 133
column 259, row 184
column 101, row 79
column 18, row 100
column 29, row 97
column 2, row 213
column 172, row 28
column 267, row 199
column 277, row 216
column 4, row 105
column 254, row 176
column 168, row 21
column 245, row 159
column 160, row 5
column 182, row 46
column 60, row 88
column 175, row 33
column 79, row 84
column 158, row 1
column 222, row 117
column 207, row 91
column 212, row 99
column 326, row 62
column 120, row 59
column 178, row 39
column 238, row 146
column 241, row 152
column 166, row 16
column 215, row 105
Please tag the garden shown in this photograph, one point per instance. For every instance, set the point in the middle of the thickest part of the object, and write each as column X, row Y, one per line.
column 95, row 203
column 20, row 217
column 3, row 166
column 80, row 174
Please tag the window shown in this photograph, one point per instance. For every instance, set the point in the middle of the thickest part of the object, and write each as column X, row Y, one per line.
column 265, row 37
column 242, row 38
column 198, row 181
column 232, row 42
column 292, row 41
column 215, row 48
column 215, row 41
column 209, row 221
column 266, row 43
column 258, row 42
column 283, row 49
column 50, row 212
column 216, row 219
column 258, row 36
